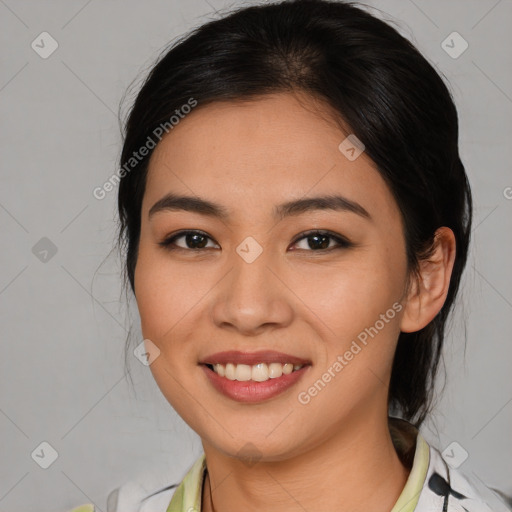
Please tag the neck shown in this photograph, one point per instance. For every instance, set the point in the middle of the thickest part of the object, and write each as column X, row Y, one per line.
column 346, row 463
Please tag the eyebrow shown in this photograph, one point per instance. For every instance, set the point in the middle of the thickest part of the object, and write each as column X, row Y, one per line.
column 174, row 202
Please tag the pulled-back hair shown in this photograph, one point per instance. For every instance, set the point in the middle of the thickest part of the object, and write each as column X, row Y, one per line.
column 379, row 86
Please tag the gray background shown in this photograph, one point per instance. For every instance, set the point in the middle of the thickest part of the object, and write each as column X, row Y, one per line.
column 64, row 322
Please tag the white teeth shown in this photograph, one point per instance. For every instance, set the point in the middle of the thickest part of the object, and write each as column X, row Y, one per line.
column 260, row 372
column 275, row 370
column 287, row 368
column 230, row 371
column 243, row 372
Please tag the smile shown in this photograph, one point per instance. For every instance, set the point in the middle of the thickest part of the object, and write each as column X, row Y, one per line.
column 260, row 372
column 253, row 377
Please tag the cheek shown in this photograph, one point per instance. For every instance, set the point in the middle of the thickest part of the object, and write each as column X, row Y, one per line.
column 358, row 312
column 161, row 294
column 166, row 296
column 349, row 299
column 171, row 298
column 358, row 305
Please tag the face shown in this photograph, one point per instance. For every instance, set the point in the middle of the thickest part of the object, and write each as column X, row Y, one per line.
column 269, row 278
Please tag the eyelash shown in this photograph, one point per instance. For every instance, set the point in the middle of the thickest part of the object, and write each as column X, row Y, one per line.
column 343, row 243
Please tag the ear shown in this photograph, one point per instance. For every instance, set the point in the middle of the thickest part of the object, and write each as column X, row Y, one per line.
column 428, row 292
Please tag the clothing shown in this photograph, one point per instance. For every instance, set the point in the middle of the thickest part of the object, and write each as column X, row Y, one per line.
column 432, row 486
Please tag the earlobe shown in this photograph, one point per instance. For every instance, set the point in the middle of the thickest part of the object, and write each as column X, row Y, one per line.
column 429, row 289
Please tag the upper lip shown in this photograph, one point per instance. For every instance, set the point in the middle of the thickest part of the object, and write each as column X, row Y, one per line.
column 252, row 358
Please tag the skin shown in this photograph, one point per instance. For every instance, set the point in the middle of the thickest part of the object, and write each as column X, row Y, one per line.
column 309, row 302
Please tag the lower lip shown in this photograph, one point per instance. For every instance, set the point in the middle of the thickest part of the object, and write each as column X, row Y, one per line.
column 252, row 391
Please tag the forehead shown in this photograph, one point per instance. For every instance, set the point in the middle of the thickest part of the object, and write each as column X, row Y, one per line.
column 262, row 151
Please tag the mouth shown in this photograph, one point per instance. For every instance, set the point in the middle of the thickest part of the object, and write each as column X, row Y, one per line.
column 260, row 372
column 253, row 377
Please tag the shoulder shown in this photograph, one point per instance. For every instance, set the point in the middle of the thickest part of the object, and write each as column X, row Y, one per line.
column 142, row 495
column 149, row 492
column 153, row 490
column 449, row 489
column 131, row 497
column 134, row 496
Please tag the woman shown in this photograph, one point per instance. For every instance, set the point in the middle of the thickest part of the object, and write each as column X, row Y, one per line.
column 296, row 221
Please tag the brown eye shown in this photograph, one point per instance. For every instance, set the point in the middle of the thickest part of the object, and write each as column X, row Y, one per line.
column 193, row 240
column 321, row 240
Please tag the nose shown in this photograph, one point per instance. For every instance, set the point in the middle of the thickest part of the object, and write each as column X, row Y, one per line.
column 252, row 297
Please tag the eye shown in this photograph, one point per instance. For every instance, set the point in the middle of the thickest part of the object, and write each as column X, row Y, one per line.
column 193, row 240
column 319, row 240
